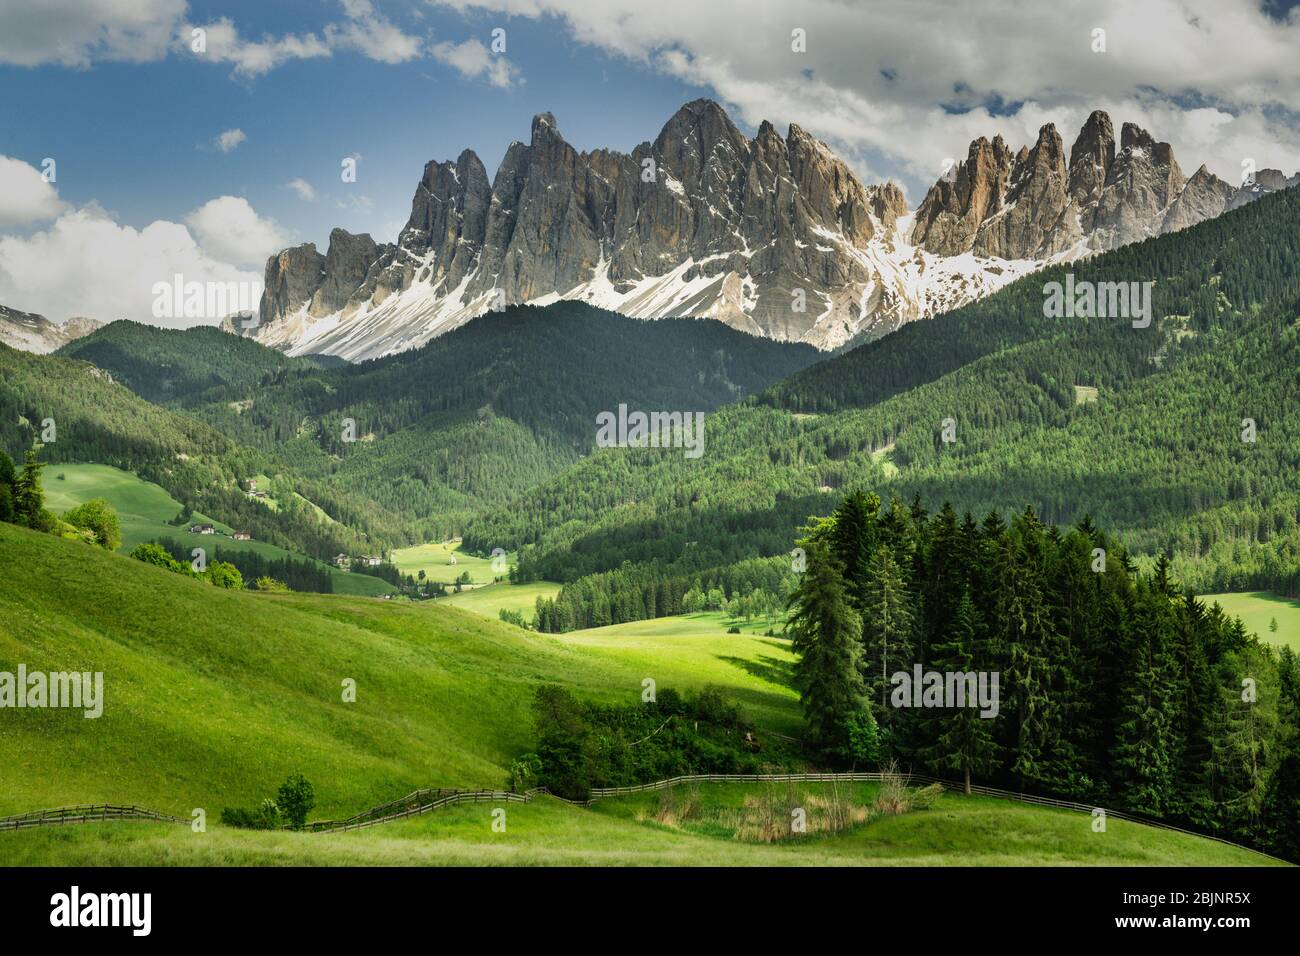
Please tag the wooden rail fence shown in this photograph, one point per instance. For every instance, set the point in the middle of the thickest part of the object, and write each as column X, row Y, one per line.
column 85, row 813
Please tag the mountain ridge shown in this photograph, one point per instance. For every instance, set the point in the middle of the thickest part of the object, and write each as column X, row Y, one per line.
column 772, row 235
column 30, row 332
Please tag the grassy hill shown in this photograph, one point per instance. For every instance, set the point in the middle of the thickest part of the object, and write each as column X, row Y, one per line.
column 495, row 598
column 645, row 830
column 147, row 513
column 435, row 560
column 212, row 697
column 97, row 420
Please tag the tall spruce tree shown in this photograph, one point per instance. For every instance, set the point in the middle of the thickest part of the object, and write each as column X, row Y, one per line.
column 965, row 741
column 825, row 633
column 888, row 626
column 29, row 497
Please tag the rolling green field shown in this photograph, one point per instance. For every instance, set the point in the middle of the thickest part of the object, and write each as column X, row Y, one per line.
column 212, row 697
column 434, row 560
column 1257, row 608
column 639, row 831
column 145, row 509
column 491, row 600
column 668, row 649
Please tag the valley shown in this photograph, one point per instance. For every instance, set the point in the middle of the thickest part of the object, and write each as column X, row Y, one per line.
column 540, row 586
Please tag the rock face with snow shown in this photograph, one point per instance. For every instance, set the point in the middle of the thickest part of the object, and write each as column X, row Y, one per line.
column 35, row 333
column 773, row 235
column 1204, row 196
column 1035, row 205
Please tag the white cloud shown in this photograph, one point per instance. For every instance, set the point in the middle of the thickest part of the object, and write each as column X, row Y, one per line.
column 85, row 264
column 230, row 230
column 372, row 34
column 76, row 33
column 251, row 58
column 473, row 60
column 230, row 139
column 25, row 196
column 363, row 30
column 1218, row 79
column 304, row 189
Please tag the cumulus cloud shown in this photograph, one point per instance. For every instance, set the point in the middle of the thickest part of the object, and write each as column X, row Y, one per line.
column 75, row 34
column 472, row 60
column 372, row 34
column 220, row 42
column 304, row 189
column 229, row 229
column 78, row 33
column 363, row 30
column 25, row 196
column 903, row 84
column 86, row 264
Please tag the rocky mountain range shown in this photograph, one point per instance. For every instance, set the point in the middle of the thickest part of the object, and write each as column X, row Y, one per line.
column 35, row 333
column 1040, row 203
column 772, row 235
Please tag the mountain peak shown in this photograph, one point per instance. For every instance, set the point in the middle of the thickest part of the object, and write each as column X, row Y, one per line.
column 544, row 127
column 708, row 223
column 1133, row 135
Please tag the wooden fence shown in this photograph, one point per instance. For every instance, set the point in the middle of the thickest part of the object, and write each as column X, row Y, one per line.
column 373, row 817
column 419, row 802
column 85, row 813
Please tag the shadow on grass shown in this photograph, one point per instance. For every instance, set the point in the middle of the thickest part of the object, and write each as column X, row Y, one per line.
column 771, row 669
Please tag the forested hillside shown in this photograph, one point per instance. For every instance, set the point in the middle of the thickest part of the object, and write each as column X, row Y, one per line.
column 166, row 365
column 466, row 422
column 93, row 419
column 1144, row 428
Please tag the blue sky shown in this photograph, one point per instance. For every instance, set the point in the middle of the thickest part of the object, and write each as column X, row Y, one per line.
column 111, row 90
column 138, row 138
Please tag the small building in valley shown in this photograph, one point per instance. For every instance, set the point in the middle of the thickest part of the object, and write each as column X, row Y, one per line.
column 202, row 529
column 242, row 536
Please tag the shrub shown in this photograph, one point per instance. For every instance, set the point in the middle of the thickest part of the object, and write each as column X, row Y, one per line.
column 156, row 554
column 514, row 617
column 224, row 575
column 581, row 746
column 295, row 799
column 265, row 817
column 98, row 517
column 525, row 771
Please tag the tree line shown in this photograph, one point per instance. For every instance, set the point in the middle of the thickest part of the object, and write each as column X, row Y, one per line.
column 1115, row 687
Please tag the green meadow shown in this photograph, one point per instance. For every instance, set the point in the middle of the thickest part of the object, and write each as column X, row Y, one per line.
column 1258, row 609
column 491, row 600
column 436, row 561
column 669, row 650
column 213, row 697
column 651, row 830
column 146, row 512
